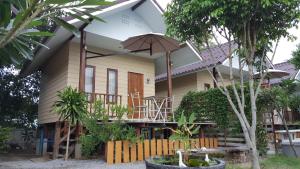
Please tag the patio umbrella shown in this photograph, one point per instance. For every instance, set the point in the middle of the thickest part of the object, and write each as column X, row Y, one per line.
column 154, row 43
column 273, row 74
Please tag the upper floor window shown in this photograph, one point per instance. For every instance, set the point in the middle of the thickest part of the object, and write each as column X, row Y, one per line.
column 112, row 84
column 89, row 81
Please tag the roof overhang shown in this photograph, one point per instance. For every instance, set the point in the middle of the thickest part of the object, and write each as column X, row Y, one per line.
column 62, row 35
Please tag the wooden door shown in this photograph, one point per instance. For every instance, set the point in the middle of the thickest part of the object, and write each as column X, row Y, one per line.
column 135, row 84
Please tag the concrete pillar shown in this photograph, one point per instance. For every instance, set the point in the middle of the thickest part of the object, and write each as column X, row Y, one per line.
column 45, row 142
column 77, row 151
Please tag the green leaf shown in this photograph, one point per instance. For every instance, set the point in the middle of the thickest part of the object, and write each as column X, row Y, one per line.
column 192, row 118
column 18, row 18
column 35, row 23
column 89, row 15
column 96, row 2
column 5, row 13
column 67, row 26
column 79, row 17
column 39, row 33
column 59, row 2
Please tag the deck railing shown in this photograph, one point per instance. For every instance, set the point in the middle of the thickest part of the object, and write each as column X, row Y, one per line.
column 152, row 109
column 108, row 100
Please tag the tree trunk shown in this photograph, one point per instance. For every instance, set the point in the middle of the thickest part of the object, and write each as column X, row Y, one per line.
column 225, row 137
column 68, row 141
column 287, row 131
column 273, row 130
column 255, row 160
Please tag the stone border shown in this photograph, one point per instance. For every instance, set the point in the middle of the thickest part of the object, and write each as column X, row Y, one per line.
column 151, row 165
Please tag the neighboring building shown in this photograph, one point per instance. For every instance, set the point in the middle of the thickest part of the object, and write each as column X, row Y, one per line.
column 190, row 74
column 288, row 67
column 293, row 75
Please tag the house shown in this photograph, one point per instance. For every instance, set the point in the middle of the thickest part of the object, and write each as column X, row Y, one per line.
column 110, row 72
column 190, row 74
column 293, row 75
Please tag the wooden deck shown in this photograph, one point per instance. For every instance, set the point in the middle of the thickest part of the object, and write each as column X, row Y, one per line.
column 149, row 114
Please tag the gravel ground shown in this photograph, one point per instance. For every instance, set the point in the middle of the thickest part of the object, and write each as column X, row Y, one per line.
column 40, row 163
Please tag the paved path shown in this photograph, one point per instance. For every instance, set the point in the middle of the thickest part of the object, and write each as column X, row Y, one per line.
column 39, row 163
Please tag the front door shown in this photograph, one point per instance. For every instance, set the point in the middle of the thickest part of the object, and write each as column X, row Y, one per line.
column 135, row 84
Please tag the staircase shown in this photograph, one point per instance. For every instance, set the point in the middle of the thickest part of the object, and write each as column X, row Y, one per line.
column 60, row 140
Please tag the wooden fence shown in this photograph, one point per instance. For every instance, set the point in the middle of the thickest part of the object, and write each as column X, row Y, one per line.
column 125, row 152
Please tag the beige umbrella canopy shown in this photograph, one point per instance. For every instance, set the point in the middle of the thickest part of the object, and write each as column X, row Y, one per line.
column 154, row 43
column 273, row 74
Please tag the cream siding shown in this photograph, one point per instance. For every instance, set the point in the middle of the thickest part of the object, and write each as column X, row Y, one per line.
column 202, row 78
column 181, row 85
column 123, row 63
column 54, row 78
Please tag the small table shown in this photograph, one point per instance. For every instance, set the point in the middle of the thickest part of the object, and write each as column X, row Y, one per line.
column 158, row 104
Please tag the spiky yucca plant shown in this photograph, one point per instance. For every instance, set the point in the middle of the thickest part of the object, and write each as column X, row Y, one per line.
column 71, row 106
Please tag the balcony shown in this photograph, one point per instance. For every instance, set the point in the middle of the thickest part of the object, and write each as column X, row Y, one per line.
column 149, row 109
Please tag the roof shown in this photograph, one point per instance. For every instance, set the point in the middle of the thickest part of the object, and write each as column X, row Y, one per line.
column 62, row 35
column 207, row 61
column 285, row 66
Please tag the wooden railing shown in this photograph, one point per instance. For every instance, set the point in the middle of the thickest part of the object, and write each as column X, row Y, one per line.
column 108, row 100
column 125, row 152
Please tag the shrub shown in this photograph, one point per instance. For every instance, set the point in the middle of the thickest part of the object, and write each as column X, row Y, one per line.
column 4, row 137
column 98, row 134
column 262, row 139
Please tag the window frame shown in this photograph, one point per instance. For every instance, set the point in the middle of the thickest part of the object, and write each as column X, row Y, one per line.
column 207, row 86
column 93, row 81
column 107, row 85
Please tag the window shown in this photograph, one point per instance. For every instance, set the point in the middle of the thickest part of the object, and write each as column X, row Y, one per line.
column 89, row 80
column 112, row 85
column 206, row 86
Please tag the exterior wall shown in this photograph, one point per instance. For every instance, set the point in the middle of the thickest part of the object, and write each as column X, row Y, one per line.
column 181, row 57
column 123, row 63
column 202, row 78
column 54, row 78
column 181, row 85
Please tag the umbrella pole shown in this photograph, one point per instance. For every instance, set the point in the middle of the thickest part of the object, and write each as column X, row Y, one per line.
column 169, row 73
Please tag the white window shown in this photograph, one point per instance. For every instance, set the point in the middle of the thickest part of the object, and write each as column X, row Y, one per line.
column 112, row 84
column 89, row 79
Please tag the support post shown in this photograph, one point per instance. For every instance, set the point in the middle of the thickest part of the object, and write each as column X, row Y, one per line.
column 169, row 73
column 215, row 74
column 56, row 140
column 273, row 131
column 82, row 61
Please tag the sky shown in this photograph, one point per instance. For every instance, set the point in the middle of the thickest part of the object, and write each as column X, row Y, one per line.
column 285, row 47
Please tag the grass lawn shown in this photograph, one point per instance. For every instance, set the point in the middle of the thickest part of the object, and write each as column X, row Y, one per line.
column 272, row 162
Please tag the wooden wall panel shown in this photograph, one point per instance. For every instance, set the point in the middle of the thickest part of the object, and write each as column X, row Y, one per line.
column 153, row 147
column 159, row 147
column 165, row 147
column 125, row 151
column 140, row 151
column 171, row 147
column 202, row 142
column 110, row 152
column 147, row 149
column 133, row 153
column 118, row 153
